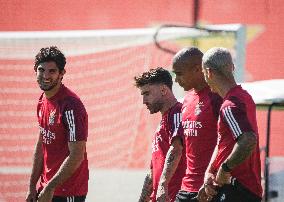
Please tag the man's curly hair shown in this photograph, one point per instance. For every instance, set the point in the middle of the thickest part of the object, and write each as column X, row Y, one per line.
column 48, row 54
column 154, row 76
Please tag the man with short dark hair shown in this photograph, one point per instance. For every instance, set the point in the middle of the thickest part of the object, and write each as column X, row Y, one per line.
column 60, row 158
column 199, row 120
column 235, row 165
column 167, row 164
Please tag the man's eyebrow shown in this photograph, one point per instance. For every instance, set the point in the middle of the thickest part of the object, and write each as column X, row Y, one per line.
column 142, row 93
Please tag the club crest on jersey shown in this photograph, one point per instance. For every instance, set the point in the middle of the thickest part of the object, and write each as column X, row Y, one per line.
column 198, row 108
column 51, row 117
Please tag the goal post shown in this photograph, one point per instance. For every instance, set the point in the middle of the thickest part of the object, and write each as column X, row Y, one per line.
column 239, row 31
column 230, row 36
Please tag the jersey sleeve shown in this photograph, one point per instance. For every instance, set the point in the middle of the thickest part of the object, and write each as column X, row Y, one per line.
column 176, row 129
column 76, row 120
column 179, row 133
column 236, row 118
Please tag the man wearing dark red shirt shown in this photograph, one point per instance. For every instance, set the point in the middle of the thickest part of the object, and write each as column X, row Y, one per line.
column 235, row 165
column 168, row 162
column 60, row 159
column 199, row 120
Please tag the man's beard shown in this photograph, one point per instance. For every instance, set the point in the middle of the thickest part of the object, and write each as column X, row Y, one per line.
column 47, row 86
column 155, row 107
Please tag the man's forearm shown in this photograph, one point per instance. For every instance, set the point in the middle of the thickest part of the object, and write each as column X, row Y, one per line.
column 69, row 166
column 171, row 162
column 65, row 171
column 37, row 165
column 242, row 149
column 147, row 189
column 213, row 157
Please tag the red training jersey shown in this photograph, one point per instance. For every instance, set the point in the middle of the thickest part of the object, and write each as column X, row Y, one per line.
column 237, row 116
column 161, row 142
column 62, row 119
column 199, row 120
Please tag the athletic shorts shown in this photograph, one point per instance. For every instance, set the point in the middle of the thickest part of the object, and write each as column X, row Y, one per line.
column 184, row 196
column 235, row 192
column 68, row 199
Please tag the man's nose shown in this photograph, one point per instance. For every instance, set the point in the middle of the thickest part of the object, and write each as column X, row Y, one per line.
column 45, row 74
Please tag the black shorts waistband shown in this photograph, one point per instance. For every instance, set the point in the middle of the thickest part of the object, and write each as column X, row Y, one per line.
column 241, row 188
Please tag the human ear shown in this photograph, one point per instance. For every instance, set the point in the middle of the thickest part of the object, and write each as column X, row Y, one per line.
column 197, row 67
column 63, row 72
column 209, row 73
column 163, row 89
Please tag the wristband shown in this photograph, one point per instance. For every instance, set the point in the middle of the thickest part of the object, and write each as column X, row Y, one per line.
column 226, row 168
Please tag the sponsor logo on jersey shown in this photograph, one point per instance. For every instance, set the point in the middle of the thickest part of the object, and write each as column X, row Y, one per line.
column 47, row 135
column 191, row 127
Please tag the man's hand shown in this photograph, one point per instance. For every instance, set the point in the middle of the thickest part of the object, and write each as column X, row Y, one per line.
column 209, row 186
column 46, row 194
column 202, row 196
column 222, row 177
column 162, row 193
column 31, row 195
column 207, row 190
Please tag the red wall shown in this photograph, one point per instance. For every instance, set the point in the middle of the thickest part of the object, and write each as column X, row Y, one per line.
column 264, row 53
column 84, row 14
